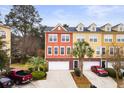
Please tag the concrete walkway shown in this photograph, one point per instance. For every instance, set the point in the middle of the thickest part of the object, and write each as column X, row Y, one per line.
column 100, row 82
column 55, row 79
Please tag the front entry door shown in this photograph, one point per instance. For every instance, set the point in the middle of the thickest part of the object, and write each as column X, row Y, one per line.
column 75, row 64
column 103, row 64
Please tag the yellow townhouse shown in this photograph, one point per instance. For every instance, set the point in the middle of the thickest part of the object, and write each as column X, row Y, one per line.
column 101, row 39
column 5, row 34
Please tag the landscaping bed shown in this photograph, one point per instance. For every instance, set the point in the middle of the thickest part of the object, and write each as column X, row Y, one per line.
column 81, row 82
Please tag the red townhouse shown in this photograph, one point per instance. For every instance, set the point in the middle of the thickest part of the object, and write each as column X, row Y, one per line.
column 58, row 44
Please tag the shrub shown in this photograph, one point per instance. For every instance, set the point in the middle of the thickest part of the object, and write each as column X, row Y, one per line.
column 77, row 72
column 112, row 73
column 37, row 75
column 31, row 69
column 44, row 68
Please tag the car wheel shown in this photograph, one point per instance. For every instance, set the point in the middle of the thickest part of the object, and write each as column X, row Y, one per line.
column 17, row 82
column 1, row 86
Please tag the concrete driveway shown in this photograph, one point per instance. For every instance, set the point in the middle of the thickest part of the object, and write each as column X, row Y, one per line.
column 100, row 82
column 55, row 79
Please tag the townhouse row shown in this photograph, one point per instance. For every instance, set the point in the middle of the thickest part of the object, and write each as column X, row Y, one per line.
column 59, row 41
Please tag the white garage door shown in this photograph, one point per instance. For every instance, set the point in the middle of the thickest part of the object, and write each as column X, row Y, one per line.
column 59, row 65
column 87, row 64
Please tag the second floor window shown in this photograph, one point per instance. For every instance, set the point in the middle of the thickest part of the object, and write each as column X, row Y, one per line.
column 62, row 50
column 111, row 50
column 52, row 37
column 103, row 51
column 98, row 50
column 49, row 50
column 68, row 50
column 65, row 37
column 55, row 50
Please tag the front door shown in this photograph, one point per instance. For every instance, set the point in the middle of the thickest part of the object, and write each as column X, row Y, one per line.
column 103, row 64
column 75, row 64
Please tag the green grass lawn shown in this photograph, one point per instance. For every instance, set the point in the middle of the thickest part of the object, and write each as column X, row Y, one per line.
column 20, row 66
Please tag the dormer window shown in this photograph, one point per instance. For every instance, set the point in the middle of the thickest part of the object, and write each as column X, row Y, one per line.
column 93, row 28
column 120, row 28
column 80, row 27
column 108, row 29
column 59, row 28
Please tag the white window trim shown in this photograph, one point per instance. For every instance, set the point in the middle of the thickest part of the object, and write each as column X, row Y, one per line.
column 65, row 37
column 113, row 51
column 54, row 50
column 93, row 37
column 51, row 50
column 73, row 63
column 52, row 36
column 101, row 49
column 78, row 36
column 119, row 37
column 66, row 49
column 60, row 50
column 105, row 37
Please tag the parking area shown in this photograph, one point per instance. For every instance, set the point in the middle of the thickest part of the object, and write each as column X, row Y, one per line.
column 100, row 82
column 55, row 79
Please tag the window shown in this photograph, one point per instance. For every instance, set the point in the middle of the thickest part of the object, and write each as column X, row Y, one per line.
column 55, row 50
column 2, row 34
column 62, row 50
column 59, row 28
column 52, row 37
column 121, row 29
column 65, row 37
column 80, row 37
column 68, row 50
column 120, row 38
column 94, row 28
column 111, row 50
column 93, row 38
column 98, row 50
column 108, row 38
column 49, row 50
column 103, row 51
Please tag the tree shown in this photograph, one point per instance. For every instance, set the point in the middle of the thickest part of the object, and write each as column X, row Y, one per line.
column 37, row 62
column 4, row 59
column 80, row 50
column 26, row 23
column 116, row 59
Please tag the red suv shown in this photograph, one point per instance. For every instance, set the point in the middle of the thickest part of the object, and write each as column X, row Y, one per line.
column 99, row 70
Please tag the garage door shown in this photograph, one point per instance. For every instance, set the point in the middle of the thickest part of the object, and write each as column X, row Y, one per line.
column 59, row 65
column 87, row 64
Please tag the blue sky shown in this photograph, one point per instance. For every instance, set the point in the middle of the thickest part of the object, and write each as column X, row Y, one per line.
column 73, row 15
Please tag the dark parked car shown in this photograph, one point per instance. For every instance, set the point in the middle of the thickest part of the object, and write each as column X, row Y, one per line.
column 5, row 82
column 20, row 76
column 99, row 70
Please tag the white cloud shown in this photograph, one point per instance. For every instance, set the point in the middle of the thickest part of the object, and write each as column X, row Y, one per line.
column 100, row 11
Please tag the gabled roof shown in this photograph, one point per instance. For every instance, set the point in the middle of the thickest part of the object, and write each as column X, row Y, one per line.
column 58, row 26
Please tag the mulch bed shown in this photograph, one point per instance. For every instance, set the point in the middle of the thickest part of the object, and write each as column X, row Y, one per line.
column 81, row 82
